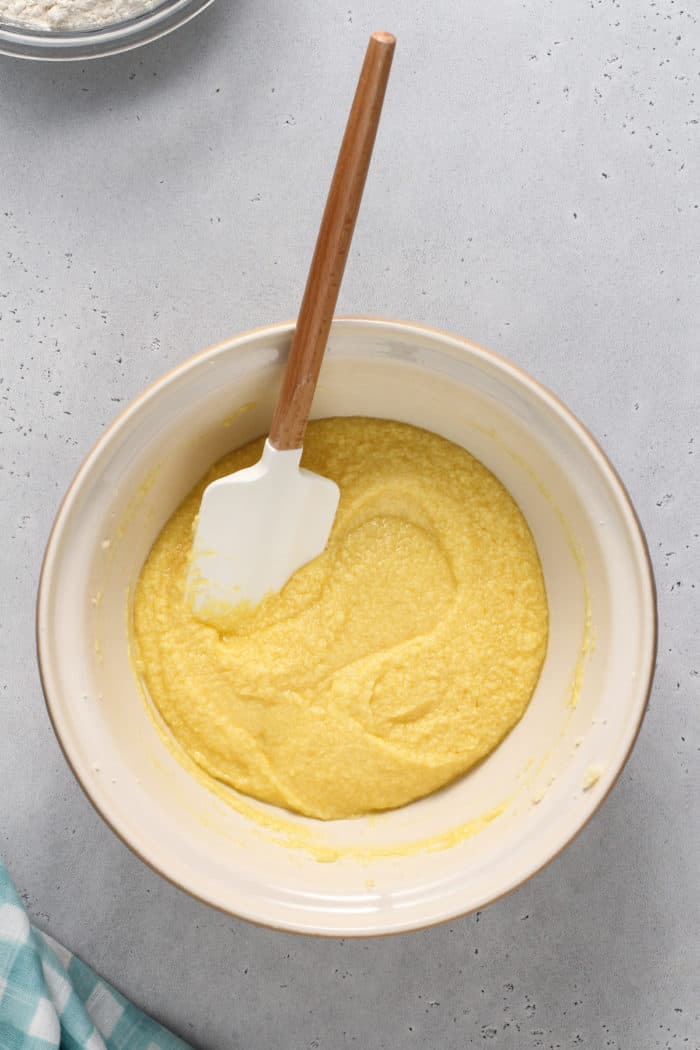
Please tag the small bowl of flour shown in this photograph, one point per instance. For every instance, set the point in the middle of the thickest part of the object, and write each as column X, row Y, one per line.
column 79, row 29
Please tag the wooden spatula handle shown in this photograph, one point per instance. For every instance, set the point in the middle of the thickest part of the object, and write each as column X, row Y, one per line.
column 332, row 244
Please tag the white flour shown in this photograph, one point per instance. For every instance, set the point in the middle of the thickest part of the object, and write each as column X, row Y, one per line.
column 71, row 14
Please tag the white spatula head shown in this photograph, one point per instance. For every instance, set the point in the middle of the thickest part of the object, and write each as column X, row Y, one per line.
column 255, row 529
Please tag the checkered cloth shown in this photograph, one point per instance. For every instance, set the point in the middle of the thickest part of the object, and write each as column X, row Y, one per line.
column 50, row 999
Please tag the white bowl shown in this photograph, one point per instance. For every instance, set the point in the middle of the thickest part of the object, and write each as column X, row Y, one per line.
column 447, row 854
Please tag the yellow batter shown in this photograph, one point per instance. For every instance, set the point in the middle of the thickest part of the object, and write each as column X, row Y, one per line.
column 386, row 667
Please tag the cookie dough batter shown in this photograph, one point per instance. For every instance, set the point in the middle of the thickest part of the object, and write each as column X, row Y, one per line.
column 383, row 669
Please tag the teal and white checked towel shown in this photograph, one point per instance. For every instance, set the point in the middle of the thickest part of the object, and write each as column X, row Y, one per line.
column 50, row 999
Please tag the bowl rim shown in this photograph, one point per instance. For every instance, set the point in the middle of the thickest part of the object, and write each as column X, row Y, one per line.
column 18, row 40
column 459, row 343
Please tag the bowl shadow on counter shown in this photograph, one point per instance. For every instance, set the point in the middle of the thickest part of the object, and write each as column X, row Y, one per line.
column 38, row 92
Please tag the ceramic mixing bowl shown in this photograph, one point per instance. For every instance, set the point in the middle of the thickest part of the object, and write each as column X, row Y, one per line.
column 447, row 854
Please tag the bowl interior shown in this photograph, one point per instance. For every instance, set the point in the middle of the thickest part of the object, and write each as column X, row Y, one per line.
column 446, row 854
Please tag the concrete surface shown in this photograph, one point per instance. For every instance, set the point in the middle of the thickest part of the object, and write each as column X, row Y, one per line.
column 537, row 187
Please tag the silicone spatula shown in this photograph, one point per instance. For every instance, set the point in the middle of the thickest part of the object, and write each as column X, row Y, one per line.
column 256, row 527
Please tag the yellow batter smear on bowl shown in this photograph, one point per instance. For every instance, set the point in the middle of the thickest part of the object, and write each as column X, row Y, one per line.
column 385, row 668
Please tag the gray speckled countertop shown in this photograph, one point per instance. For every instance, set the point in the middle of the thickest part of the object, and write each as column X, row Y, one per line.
column 536, row 187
